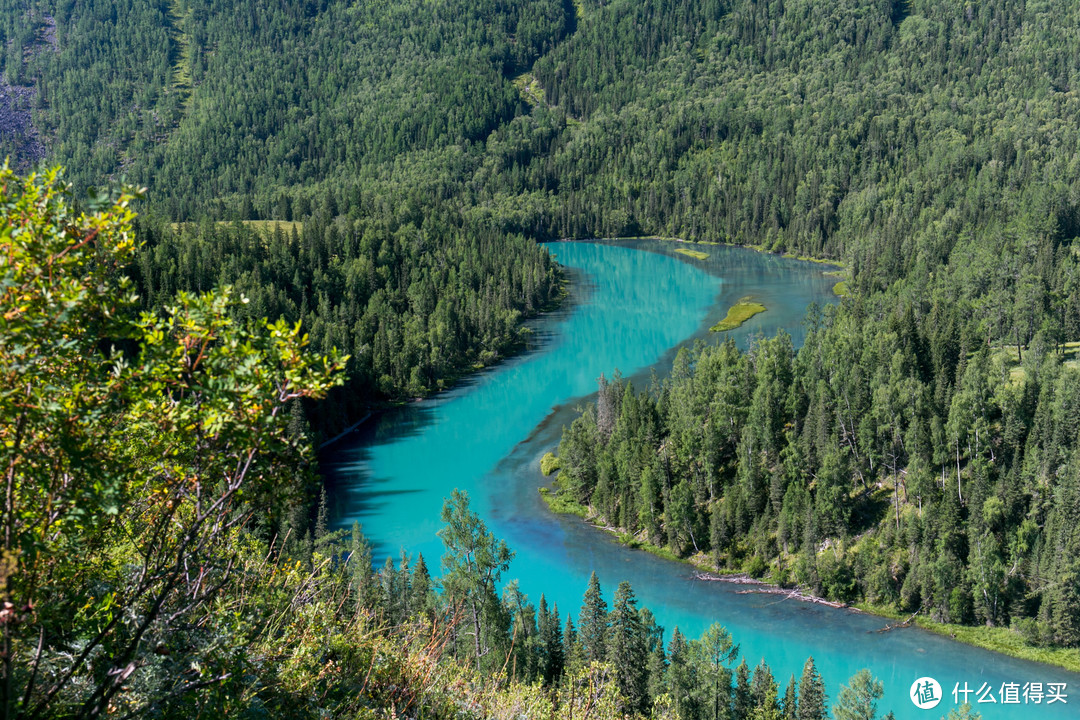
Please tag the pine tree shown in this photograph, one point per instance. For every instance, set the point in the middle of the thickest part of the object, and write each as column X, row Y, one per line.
column 680, row 678
column 812, row 696
column 742, row 701
column 790, row 703
column 763, row 690
column 627, row 650
column 656, row 672
column 572, row 654
column 550, row 643
column 322, row 524
column 712, row 652
column 422, row 598
column 472, row 565
column 593, row 623
column 363, row 577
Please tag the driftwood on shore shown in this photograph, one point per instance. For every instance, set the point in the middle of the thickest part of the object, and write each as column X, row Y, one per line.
column 764, row 588
column 904, row 624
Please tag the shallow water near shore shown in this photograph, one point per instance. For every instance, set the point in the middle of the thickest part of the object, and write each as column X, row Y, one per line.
column 631, row 305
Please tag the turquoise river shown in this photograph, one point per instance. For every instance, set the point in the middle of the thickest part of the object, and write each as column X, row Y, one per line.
column 632, row 304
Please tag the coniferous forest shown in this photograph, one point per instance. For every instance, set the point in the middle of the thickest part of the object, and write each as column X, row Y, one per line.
column 342, row 207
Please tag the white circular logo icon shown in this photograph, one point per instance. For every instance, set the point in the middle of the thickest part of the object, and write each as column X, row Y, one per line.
column 925, row 693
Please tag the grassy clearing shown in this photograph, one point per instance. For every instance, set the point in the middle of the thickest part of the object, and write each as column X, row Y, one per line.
column 181, row 70
column 739, row 313
column 693, row 253
column 841, row 289
column 529, row 89
column 267, row 226
column 1006, row 355
column 263, row 226
column 997, row 639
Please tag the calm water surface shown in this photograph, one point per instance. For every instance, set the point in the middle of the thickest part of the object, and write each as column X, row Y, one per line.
column 632, row 305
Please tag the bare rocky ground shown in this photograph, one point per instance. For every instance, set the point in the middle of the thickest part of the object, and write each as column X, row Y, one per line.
column 17, row 132
column 17, row 127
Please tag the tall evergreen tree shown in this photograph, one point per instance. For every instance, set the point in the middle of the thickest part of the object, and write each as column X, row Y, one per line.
column 714, row 650
column 742, row 702
column 791, row 705
column 763, row 690
column 680, row 679
column 627, row 650
column 812, row 697
column 551, row 643
column 593, row 623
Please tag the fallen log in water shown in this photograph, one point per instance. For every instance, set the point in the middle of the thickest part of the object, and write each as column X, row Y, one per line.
column 906, row 623
column 764, row 588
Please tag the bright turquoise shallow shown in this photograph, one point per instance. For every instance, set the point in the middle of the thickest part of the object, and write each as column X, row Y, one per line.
column 631, row 304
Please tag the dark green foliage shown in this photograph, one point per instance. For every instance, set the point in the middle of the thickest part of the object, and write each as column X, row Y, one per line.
column 552, row 657
column 628, row 651
column 763, row 691
column 812, row 698
column 414, row 296
column 593, row 623
column 791, row 703
column 743, row 702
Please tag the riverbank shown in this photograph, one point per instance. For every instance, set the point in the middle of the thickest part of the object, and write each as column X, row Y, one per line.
column 996, row 639
column 755, row 248
column 558, row 502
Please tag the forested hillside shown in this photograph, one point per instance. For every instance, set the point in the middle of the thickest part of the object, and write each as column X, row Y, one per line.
column 921, row 142
column 919, row 451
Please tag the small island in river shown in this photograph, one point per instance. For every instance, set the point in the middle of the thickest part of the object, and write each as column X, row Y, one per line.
column 697, row 254
column 739, row 313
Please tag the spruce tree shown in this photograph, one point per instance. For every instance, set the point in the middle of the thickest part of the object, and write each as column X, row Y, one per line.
column 680, row 678
column 572, row 655
column 742, row 702
column 550, row 643
column 627, row 650
column 790, row 703
column 422, row 598
column 763, row 690
column 593, row 623
column 322, row 523
column 812, row 696
column 363, row 577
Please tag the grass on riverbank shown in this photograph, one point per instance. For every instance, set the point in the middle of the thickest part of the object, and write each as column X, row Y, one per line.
column 693, row 253
column 841, row 289
column 559, row 502
column 998, row 639
column 747, row 246
column 739, row 313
